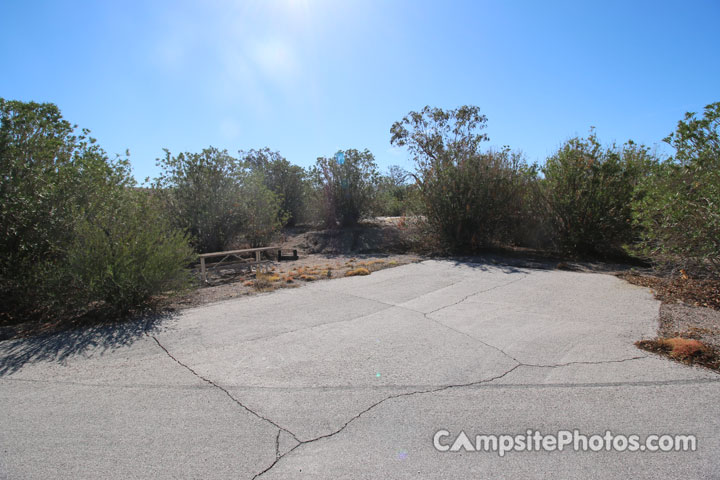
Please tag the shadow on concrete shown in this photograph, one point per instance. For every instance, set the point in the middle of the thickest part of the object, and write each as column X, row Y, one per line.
column 486, row 263
column 56, row 347
column 515, row 264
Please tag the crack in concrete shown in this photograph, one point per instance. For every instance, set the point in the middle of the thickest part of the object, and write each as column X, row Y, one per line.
column 277, row 445
column 595, row 362
column 649, row 383
column 518, row 364
column 503, row 352
column 373, row 300
column 475, row 293
column 380, row 402
column 279, row 456
column 429, row 391
column 332, row 388
column 310, row 327
column 225, row 391
column 426, row 314
column 438, row 322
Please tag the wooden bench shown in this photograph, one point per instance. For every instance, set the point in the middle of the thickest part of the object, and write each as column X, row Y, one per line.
column 234, row 253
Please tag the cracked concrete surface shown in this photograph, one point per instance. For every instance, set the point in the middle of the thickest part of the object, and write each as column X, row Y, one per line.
column 351, row 378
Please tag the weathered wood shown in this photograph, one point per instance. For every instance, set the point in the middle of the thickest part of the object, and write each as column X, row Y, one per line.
column 281, row 257
column 258, row 259
column 233, row 252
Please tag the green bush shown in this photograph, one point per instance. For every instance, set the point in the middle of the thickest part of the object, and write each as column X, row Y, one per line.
column 203, row 194
column 345, row 191
column 678, row 208
column 218, row 200
column 261, row 210
column 396, row 196
column 286, row 180
column 58, row 191
column 472, row 199
column 127, row 255
column 588, row 191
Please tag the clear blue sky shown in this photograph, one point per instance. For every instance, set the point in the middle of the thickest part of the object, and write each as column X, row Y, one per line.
column 307, row 77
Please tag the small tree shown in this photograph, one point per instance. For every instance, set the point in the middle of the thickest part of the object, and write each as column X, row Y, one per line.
column 284, row 179
column 678, row 208
column 471, row 198
column 345, row 190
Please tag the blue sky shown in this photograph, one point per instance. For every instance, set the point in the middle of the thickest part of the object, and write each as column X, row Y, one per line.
column 307, row 77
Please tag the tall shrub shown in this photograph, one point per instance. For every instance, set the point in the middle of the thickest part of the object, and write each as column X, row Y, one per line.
column 345, row 189
column 262, row 212
column 588, row 190
column 127, row 255
column 678, row 209
column 396, row 195
column 284, row 179
column 203, row 196
column 471, row 198
column 58, row 188
column 218, row 200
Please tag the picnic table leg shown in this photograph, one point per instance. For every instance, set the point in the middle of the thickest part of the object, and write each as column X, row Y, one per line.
column 257, row 256
column 202, row 269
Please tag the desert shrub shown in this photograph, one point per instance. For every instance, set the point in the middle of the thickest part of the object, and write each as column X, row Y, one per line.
column 59, row 190
column 261, row 211
column 471, row 198
column 345, row 190
column 286, row 180
column 528, row 223
column 588, row 190
column 126, row 255
column 202, row 192
column 678, row 208
column 396, row 194
column 213, row 197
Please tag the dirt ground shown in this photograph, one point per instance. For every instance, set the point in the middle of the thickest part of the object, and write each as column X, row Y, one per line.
column 373, row 245
column 690, row 309
column 236, row 280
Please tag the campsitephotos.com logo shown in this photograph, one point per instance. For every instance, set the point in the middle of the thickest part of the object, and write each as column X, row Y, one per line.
column 534, row 441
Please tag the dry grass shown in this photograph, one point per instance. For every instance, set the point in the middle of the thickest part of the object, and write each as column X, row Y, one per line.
column 357, row 272
column 686, row 350
column 372, row 265
column 683, row 347
column 264, row 282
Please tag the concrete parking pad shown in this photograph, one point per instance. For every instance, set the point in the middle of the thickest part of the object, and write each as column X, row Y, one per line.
column 351, row 378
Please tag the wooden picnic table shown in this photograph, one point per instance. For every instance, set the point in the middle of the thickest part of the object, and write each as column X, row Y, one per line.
column 234, row 253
